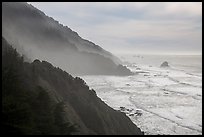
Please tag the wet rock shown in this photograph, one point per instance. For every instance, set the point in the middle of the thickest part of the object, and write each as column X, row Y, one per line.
column 122, row 108
column 131, row 114
column 138, row 113
column 131, row 110
column 165, row 64
column 166, row 93
column 127, row 84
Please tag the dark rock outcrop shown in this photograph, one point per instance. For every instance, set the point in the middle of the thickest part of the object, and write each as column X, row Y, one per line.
column 164, row 64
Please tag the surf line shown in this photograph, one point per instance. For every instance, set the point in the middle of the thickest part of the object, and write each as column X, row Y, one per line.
column 188, row 127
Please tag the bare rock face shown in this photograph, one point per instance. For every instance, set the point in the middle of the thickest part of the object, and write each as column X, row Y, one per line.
column 165, row 64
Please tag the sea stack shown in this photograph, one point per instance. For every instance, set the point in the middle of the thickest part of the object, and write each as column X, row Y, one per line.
column 165, row 64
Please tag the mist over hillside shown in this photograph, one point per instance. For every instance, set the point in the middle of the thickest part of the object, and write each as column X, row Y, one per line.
column 41, row 99
column 35, row 35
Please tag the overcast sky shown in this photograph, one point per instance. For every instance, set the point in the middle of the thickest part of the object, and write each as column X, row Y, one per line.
column 133, row 27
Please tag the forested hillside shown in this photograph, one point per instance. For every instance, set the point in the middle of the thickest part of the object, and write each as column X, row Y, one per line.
column 38, row 98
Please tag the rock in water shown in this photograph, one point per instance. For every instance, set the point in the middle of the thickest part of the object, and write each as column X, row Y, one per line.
column 165, row 64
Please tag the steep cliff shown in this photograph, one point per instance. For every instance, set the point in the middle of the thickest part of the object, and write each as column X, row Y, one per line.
column 36, row 35
column 39, row 98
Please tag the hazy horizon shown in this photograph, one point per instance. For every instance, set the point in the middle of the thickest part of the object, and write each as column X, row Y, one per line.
column 133, row 27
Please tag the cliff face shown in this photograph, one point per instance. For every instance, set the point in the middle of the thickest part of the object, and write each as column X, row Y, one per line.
column 83, row 102
column 81, row 106
column 36, row 35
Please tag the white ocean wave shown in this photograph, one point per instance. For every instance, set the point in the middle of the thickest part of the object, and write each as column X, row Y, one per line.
column 159, row 101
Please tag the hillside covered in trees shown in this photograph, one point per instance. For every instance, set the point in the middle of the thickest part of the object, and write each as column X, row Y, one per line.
column 37, row 35
column 38, row 98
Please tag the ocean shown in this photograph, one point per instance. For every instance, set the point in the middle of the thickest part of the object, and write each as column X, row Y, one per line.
column 159, row 100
